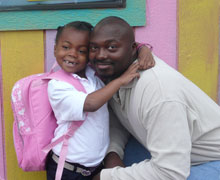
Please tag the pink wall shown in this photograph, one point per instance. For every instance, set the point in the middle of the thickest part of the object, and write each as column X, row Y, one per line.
column 161, row 29
column 49, row 49
column 160, row 32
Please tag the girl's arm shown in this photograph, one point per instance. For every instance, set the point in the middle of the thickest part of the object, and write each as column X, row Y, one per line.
column 98, row 98
column 145, row 58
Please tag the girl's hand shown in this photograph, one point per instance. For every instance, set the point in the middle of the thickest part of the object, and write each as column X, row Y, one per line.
column 145, row 58
column 129, row 74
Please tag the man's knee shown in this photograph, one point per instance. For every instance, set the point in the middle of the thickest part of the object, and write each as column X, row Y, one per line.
column 135, row 152
column 207, row 171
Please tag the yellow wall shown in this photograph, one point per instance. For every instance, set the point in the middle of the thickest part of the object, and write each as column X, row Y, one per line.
column 22, row 54
column 198, row 43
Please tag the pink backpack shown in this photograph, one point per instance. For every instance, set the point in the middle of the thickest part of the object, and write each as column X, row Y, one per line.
column 34, row 121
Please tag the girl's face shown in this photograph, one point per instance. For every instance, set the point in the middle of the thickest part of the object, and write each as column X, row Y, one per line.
column 71, row 51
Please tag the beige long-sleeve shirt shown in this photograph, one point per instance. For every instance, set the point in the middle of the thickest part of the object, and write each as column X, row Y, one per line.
column 175, row 120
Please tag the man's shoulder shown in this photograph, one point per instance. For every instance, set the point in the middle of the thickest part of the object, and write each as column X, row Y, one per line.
column 161, row 72
column 160, row 78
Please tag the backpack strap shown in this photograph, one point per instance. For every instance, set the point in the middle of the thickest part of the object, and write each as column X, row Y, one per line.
column 73, row 127
column 67, row 77
column 61, row 75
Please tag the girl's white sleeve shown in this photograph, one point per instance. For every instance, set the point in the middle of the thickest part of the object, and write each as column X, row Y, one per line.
column 66, row 102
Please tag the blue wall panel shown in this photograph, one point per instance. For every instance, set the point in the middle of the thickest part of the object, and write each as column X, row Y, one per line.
column 134, row 13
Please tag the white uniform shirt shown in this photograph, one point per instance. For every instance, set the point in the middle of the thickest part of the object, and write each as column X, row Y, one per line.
column 89, row 144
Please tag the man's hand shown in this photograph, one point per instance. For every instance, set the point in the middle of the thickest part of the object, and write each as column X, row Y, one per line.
column 145, row 58
column 112, row 159
column 96, row 177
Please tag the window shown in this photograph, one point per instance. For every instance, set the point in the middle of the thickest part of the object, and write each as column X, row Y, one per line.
column 21, row 5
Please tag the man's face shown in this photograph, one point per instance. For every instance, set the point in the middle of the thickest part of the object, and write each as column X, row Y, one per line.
column 110, row 51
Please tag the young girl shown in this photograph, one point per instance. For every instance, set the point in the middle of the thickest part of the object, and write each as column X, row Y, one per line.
column 88, row 146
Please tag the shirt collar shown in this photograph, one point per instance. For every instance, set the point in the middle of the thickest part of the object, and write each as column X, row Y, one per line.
column 131, row 84
column 89, row 73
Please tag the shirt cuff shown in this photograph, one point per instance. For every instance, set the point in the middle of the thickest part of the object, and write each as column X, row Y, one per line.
column 106, row 174
column 116, row 149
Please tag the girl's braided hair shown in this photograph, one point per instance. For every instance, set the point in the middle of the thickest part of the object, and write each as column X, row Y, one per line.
column 78, row 25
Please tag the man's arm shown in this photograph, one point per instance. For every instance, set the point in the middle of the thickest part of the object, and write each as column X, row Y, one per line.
column 118, row 139
column 169, row 142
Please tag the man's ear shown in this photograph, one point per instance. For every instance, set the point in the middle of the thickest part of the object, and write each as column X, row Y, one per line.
column 134, row 49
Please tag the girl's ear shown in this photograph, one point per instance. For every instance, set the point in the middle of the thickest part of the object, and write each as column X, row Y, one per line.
column 54, row 51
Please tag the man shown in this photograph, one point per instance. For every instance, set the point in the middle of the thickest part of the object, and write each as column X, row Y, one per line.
column 169, row 115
